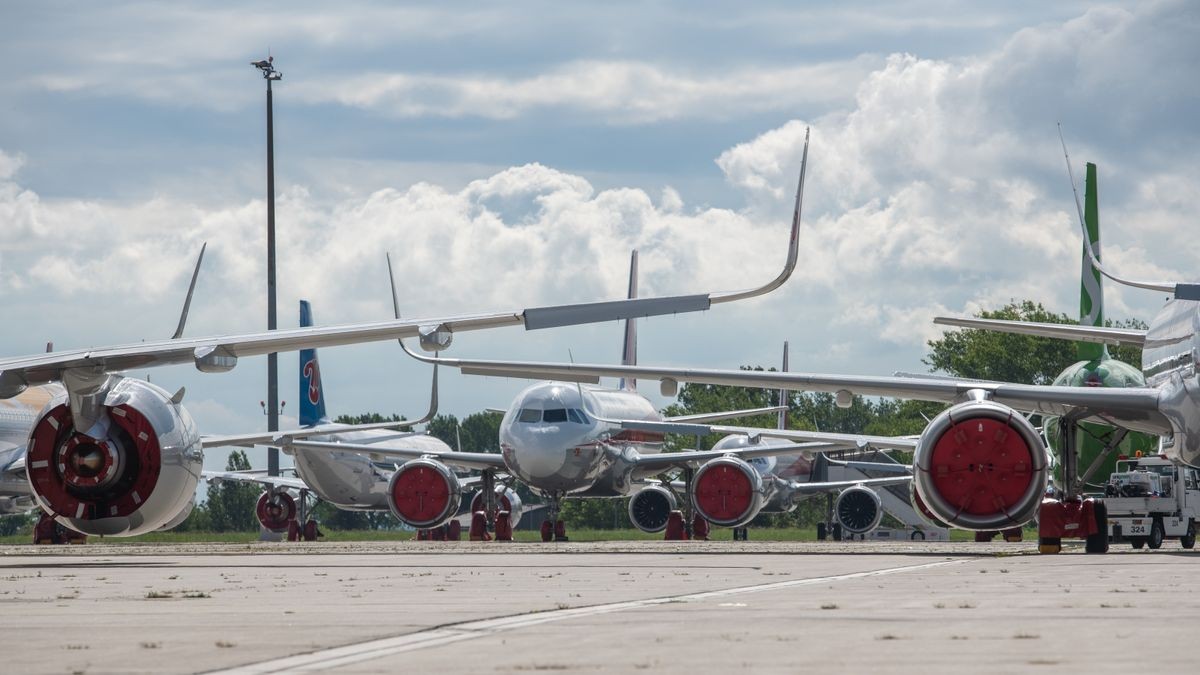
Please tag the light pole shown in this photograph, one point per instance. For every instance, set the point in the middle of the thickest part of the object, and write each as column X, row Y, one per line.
column 270, row 75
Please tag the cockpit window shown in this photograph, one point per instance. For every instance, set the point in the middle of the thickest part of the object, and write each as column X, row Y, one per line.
column 555, row 415
column 529, row 415
column 577, row 416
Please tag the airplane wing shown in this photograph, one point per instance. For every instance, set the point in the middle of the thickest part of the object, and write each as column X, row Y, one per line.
column 1111, row 336
column 282, row 437
column 835, row 441
column 1135, row 408
column 254, row 478
column 692, row 458
column 220, row 353
column 821, row 487
column 465, row 460
column 727, row 414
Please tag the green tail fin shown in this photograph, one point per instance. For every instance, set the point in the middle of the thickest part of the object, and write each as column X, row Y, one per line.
column 1091, row 294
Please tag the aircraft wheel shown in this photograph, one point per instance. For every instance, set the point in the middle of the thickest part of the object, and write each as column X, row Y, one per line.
column 837, row 531
column 1156, row 535
column 1098, row 543
column 822, row 532
column 1049, row 545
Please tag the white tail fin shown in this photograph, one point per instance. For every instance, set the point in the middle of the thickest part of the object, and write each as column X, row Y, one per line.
column 629, row 350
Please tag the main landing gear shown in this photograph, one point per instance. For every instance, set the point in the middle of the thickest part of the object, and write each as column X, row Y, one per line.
column 1075, row 516
column 308, row 531
column 48, row 531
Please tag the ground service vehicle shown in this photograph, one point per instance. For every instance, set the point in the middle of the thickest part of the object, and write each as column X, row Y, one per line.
column 1150, row 499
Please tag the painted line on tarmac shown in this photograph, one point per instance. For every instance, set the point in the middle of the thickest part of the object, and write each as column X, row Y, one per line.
column 337, row 657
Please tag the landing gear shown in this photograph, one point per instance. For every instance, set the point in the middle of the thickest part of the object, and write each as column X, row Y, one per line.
column 554, row 527
column 1097, row 542
column 309, row 530
column 741, row 534
column 699, row 527
column 822, row 531
column 48, row 531
column 1074, row 516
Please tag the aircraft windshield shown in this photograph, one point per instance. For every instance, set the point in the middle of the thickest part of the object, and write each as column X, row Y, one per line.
column 552, row 416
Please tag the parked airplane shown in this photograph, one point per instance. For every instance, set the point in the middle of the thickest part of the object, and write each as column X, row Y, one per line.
column 566, row 440
column 119, row 456
column 857, row 507
column 980, row 465
column 349, row 480
column 1097, row 445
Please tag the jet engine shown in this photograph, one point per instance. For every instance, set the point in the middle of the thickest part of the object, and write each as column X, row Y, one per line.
column 727, row 491
column 274, row 510
column 131, row 473
column 507, row 499
column 858, row 509
column 424, row 493
column 980, row 465
column 178, row 519
column 651, row 507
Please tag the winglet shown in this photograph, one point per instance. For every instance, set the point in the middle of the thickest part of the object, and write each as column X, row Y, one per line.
column 1182, row 291
column 629, row 350
column 793, row 245
column 187, row 303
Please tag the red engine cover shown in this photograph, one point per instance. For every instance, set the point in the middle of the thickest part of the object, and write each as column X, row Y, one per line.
column 424, row 493
column 66, row 492
column 981, row 466
column 724, row 494
column 275, row 511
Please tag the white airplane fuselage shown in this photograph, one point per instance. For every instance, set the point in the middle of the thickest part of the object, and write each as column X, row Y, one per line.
column 552, row 440
column 1170, row 360
column 17, row 416
column 351, row 480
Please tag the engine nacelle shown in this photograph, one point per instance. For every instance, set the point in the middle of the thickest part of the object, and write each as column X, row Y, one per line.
column 275, row 510
column 134, row 478
column 727, row 491
column 980, row 465
column 507, row 499
column 424, row 493
column 178, row 519
column 858, row 509
column 650, row 508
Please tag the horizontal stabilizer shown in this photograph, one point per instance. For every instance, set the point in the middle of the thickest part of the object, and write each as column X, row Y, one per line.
column 1058, row 331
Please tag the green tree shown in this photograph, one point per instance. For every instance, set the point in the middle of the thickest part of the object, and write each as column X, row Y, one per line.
column 368, row 418
column 231, row 505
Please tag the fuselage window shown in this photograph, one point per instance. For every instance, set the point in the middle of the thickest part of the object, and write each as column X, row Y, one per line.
column 555, row 415
column 529, row 415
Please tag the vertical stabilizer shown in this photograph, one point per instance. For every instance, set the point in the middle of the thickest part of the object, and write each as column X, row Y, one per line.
column 1091, row 293
column 629, row 351
column 781, row 422
column 312, row 394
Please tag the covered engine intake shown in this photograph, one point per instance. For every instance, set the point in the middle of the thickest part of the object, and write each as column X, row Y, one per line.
column 980, row 465
column 424, row 493
column 727, row 491
column 507, row 499
column 858, row 509
column 275, row 510
column 134, row 475
column 650, row 508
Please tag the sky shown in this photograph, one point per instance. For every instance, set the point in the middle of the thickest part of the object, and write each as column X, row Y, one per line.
column 512, row 155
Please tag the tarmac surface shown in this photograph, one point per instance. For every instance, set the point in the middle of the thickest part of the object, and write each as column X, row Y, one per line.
column 690, row 607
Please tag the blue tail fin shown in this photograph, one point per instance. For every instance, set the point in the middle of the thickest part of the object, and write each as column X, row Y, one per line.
column 312, row 394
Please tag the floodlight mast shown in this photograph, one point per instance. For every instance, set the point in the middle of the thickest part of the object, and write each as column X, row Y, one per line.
column 267, row 66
